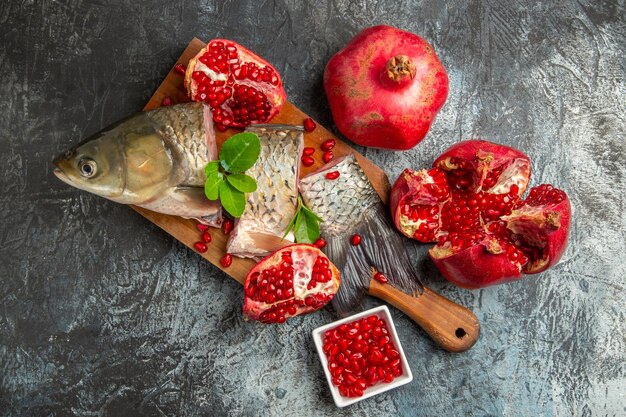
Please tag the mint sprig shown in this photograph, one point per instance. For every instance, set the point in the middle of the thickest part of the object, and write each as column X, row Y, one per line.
column 225, row 178
column 305, row 224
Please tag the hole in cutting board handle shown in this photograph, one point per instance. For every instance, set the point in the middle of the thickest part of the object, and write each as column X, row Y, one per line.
column 460, row 333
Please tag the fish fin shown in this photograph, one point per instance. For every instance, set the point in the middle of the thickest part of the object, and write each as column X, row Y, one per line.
column 382, row 249
column 188, row 202
column 193, row 198
column 268, row 242
column 268, row 126
column 183, row 192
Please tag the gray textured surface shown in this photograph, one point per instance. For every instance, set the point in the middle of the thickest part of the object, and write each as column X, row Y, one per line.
column 104, row 314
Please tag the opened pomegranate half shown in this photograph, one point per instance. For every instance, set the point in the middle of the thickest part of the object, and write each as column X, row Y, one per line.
column 294, row 280
column 240, row 86
column 470, row 204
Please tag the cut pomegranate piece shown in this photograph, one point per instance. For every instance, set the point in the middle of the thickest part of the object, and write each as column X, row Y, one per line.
column 294, row 280
column 469, row 203
column 240, row 86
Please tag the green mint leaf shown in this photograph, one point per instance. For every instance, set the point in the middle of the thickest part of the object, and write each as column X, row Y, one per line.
column 308, row 231
column 297, row 225
column 314, row 226
column 242, row 182
column 312, row 214
column 233, row 200
column 240, row 152
column 305, row 224
column 290, row 226
column 211, row 167
column 212, row 184
column 292, row 223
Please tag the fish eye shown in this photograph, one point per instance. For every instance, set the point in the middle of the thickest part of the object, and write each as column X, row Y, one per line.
column 87, row 167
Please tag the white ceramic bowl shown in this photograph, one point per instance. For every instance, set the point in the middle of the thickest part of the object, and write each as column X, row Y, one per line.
column 406, row 377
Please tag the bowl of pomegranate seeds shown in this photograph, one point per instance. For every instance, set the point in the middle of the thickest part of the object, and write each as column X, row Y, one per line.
column 361, row 356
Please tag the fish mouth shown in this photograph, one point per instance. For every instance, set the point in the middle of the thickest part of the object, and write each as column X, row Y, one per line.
column 62, row 176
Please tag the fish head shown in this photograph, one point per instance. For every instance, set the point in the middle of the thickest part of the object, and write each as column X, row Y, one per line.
column 128, row 162
column 95, row 165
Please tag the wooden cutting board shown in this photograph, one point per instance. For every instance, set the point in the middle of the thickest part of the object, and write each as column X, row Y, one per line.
column 185, row 230
column 451, row 326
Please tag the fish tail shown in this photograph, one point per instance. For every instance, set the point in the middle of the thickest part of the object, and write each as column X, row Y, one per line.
column 382, row 249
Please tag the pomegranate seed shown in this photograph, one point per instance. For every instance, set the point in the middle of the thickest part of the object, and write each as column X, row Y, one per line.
column 309, row 125
column 328, row 156
column 200, row 247
column 201, row 227
column 350, row 379
column 167, row 101
column 227, row 226
column 343, row 344
column 226, row 260
column 328, row 144
column 320, row 243
column 355, row 239
column 333, row 175
column 308, row 151
column 351, row 333
column 380, row 277
column 206, row 237
column 180, row 68
column 307, row 161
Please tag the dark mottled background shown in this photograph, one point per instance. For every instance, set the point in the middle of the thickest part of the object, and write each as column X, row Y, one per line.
column 103, row 314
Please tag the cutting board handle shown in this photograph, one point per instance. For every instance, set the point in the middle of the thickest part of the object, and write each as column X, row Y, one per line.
column 452, row 326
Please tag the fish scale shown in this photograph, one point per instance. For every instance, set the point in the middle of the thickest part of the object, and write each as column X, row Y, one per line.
column 185, row 126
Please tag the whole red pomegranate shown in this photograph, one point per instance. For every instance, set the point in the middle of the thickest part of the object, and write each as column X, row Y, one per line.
column 470, row 204
column 294, row 280
column 385, row 88
column 240, row 86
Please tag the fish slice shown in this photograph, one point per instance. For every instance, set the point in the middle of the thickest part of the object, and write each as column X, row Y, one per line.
column 260, row 229
column 349, row 205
